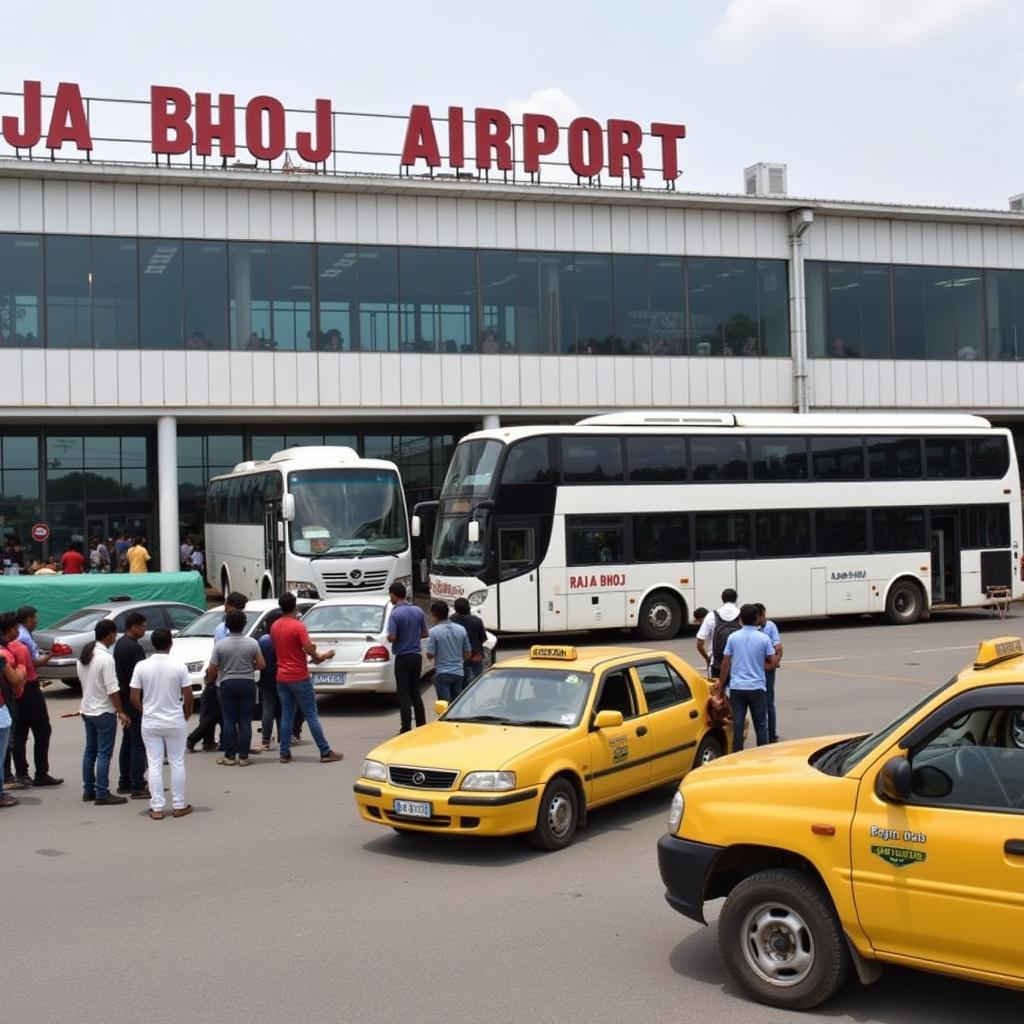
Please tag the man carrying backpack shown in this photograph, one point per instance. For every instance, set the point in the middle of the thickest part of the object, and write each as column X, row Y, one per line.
column 715, row 630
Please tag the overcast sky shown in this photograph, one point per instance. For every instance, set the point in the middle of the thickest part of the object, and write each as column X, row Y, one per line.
column 916, row 101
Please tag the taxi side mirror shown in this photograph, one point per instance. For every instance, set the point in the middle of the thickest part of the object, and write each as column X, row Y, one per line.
column 440, row 707
column 894, row 780
column 608, row 720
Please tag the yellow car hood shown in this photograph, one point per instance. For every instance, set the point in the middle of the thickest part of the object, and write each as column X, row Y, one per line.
column 775, row 759
column 467, row 746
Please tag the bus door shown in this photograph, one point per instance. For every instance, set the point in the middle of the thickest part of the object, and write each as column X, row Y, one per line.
column 945, row 557
column 273, row 545
column 518, row 589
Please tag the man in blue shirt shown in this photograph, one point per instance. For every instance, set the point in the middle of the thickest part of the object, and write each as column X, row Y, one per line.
column 771, row 631
column 749, row 653
column 407, row 626
column 449, row 648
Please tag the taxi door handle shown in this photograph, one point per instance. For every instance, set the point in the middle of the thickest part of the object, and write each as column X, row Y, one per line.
column 641, row 730
column 1014, row 847
column 695, row 713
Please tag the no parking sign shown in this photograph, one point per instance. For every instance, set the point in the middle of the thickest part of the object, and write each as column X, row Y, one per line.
column 40, row 532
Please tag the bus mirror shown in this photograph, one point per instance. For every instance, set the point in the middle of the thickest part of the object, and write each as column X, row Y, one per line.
column 473, row 532
column 415, row 526
column 287, row 507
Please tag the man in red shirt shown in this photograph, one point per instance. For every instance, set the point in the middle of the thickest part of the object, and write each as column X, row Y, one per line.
column 73, row 561
column 291, row 647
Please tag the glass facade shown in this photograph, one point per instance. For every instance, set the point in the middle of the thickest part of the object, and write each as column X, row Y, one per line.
column 67, row 291
column 879, row 311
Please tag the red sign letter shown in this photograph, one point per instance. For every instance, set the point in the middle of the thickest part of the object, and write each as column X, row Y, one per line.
column 273, row 147
column 33, row 99
column 169, row 109
column 540, row 138
column 493, row 131
column 420, row 140
column 456, row 138
column 594, row 162
column 669, row 134
column 223, row 129
column 68, row 122
column 624, row 141
column 322, row 150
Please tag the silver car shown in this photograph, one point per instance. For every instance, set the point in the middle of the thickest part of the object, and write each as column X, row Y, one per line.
column 67, row 637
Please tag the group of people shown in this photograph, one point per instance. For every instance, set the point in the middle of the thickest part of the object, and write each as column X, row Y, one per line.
column 191, row 557
column 742, row 650
column 123, row 553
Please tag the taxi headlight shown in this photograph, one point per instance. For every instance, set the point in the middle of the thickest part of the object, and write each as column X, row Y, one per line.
column 675, row 812
column 375, row 770
column 490, row 780
column 477, row 598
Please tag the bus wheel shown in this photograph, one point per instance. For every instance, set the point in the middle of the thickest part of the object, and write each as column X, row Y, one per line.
column 224, row 589
column 661, row 617
column 904, row 603
column 265, row 592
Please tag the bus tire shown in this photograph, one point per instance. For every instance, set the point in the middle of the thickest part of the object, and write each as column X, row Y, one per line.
column 225, row 586
column 661, row 617
column 904, row 603
column 266, row 591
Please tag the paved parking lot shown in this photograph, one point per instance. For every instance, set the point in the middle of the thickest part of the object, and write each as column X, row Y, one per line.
column 275, row 902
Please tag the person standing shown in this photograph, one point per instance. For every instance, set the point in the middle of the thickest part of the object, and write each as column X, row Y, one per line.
column 234, row 661
column 138, row 557
column 749, row 653
column 771, row 631
column 185, row 553
column 72, row 562
column 162, row 696
column 294, row 687
column 121, row 547
column 32, row 714
column 448, row 647
column 270, row 706
column 12, row 679
column 131, row 758
column 407, row 626
column 99, row 556
column 477, row 638
column 101, row 710
column 715, row 630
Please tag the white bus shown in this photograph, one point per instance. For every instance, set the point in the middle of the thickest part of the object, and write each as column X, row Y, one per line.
column 318, row 521
column 636, row 519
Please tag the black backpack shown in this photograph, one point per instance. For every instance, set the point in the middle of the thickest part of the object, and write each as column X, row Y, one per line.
column 723, row 628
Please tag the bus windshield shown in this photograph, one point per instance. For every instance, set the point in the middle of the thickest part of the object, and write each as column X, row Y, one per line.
column 353, row 512
column 472, row 470
column 452, row 548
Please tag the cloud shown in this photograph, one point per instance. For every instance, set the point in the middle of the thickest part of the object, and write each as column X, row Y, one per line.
column 549, row 100
column 893, row 22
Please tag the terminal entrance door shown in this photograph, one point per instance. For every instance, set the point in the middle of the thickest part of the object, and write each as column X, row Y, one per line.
column 110, row 525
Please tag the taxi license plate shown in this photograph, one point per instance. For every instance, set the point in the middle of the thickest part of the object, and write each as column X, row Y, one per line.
column 329, row 678
column 412, row 809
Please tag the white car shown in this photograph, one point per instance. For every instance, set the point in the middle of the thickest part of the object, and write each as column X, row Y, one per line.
column 194, row 644
column 357, row 629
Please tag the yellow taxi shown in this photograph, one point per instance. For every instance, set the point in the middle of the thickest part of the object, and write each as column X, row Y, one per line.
column 537, row 742
column 903, row 847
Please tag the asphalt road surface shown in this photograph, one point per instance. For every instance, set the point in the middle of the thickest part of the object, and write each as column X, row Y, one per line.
column 274, row 902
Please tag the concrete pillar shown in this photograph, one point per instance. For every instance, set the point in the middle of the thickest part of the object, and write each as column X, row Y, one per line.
column 167, row 491
column 492, row 421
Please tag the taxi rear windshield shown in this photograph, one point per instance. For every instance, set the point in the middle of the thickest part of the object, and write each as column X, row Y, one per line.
column 524, row 696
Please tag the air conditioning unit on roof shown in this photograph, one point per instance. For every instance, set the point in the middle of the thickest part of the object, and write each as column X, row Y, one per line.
column 765, row 180
column 1017, row 203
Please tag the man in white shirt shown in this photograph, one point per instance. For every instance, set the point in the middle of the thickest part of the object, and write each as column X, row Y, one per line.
column 161, row 691
column 715, row 630
column 101, row 710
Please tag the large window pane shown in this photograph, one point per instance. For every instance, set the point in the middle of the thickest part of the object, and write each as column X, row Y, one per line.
column 939, row 312
column 594, row 304
column 456, row 301
column 20, row 452
column 783, row 533
column 816, row 283
column 291, row 296
column 510, row 301
column 723, row 306
column 378, row 298
column 945, row 458
column 68, row 319
column 591, row 540
column 968, row 298
column 336, row 280
column 908, row 312
column 722, row 534
column 876, row 311
column 704, row 304
column 591, row 460
column 859, row 311
column 988, row 457
column 668, row 306
column 898, row 529
column 718, row 458
column 205, row 279
column 250, row 296
column 661, row 537
column 421, row 314
column 778, row 458
column 1004, row 294
column 528, row 462
column 21, row 290
column 841, row 531
column 894, row 458
column 557, row 303
column 772, row 308
column 631, row 297
column 844, row 309
column 837, row 458
column 115, row 316
column 660, row 459
column 161, row 293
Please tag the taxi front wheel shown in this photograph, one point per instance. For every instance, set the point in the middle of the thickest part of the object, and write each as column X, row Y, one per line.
column 557, row 817
column 781, row 940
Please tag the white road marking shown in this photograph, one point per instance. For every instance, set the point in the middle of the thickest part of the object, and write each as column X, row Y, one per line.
column 937, row 650
column 807, row 661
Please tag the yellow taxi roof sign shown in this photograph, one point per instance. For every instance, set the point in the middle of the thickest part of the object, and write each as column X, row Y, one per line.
column 554, row 653
column 998, row 649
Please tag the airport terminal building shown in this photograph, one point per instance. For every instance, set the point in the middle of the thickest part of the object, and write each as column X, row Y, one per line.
column 163, row 319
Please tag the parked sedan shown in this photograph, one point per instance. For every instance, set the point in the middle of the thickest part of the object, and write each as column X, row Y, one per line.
column 357, row 629
column 67, row 637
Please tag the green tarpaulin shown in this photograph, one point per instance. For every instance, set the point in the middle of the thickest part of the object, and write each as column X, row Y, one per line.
column 57, row 596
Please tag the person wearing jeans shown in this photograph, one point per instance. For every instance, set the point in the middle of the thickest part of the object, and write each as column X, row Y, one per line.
column 749, row 653
column 407, row 626
column 101, row 710
column 293, row 648
column 234, row 661
column 771, row 631
column 449, row 648
column 12, row 680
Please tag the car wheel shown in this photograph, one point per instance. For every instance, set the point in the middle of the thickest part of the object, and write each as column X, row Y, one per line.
column 904, row 604
column 710, row 749
column 661, row 617
column 782, row 942
column 557, row 817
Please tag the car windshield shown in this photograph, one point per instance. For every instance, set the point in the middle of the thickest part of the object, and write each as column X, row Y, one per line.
column 344, row 618
column 82, row 620
column 206, row 624
column 524, row 696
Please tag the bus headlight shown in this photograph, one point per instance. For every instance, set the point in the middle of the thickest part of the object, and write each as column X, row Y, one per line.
column 375, row 770
column 477, row 598
column 302, row 588
column 490, row 780
column 675, row 812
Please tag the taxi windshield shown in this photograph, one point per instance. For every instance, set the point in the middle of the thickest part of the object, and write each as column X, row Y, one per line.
column 524, row 696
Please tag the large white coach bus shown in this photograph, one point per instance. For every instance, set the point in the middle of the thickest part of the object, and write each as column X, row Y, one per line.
column 318, row 521
column 636, row 519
